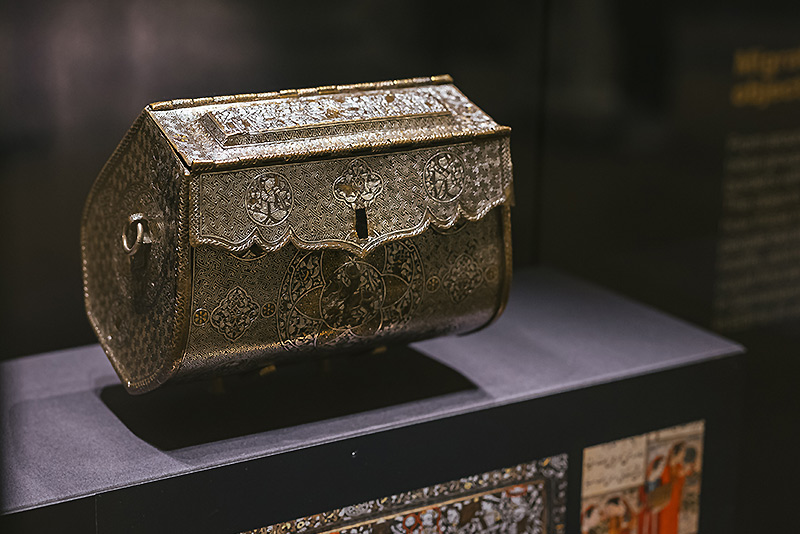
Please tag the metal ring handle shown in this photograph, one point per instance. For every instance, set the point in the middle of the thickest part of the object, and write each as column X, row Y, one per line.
column 141, row 237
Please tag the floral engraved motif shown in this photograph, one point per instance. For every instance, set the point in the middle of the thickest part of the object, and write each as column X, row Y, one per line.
column 463, row 278
column 444, row 176
column 432, row 284
column 200, row 317
column 235, row 313
column 269, row 199
column 359, row 184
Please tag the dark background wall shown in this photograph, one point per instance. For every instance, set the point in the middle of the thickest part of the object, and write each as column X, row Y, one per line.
column 74, row 76
column 639, row 113
column 644, row 191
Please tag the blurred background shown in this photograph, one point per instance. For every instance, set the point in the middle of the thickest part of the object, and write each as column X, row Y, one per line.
column 656, row 149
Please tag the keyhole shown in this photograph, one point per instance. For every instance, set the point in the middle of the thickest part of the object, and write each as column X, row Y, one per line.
column 361, row 223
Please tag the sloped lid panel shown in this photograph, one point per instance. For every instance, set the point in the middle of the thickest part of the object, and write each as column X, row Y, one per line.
column 315, row 116
column 317, row 204
column 233, row 131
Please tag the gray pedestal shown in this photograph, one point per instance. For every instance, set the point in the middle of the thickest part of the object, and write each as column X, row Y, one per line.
column 567, row 366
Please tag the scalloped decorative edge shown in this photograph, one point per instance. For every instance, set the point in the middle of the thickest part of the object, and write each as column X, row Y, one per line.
column 289, row 235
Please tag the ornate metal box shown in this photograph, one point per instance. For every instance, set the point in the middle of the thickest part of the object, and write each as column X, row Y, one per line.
column 237, row 232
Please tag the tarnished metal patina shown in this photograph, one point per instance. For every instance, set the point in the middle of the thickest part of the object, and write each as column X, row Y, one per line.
column 232, row 233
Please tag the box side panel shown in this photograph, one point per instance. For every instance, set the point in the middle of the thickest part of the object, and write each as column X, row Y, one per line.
column 133, row 256
column 505, row 218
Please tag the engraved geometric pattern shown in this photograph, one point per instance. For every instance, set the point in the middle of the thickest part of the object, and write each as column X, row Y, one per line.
column 358, row 186
column 135, row 302
column 465, row 271
column 324, row 193
column 524, row 499
column 444, row 176
column 235, row 313
column 139, row 276
column 269, row 199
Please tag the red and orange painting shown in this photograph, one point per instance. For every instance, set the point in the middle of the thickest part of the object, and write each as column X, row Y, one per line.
column 646, row 484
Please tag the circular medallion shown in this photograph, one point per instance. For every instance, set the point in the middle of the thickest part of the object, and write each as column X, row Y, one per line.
column 444, row 177
column 432, row 284
column 353, row 295
column 358, row 184
column 269, row 199
column 333, row 298
column 200, row 317
column 268, row 309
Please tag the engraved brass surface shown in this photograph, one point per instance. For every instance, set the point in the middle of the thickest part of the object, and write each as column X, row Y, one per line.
column 136, row 301
column 329, row 299
column 237, row 232
column 402, row 192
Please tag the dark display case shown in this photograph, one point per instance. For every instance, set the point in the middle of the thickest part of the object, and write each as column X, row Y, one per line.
column 656, row 153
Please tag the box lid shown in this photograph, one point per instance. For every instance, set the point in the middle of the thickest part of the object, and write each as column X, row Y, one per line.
column 239, row 130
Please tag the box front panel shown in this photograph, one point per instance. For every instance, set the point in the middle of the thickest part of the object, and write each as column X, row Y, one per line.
column 318, row 204
column 258, row 308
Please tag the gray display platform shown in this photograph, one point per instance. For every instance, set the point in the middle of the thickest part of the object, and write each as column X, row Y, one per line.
column 69, row 432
